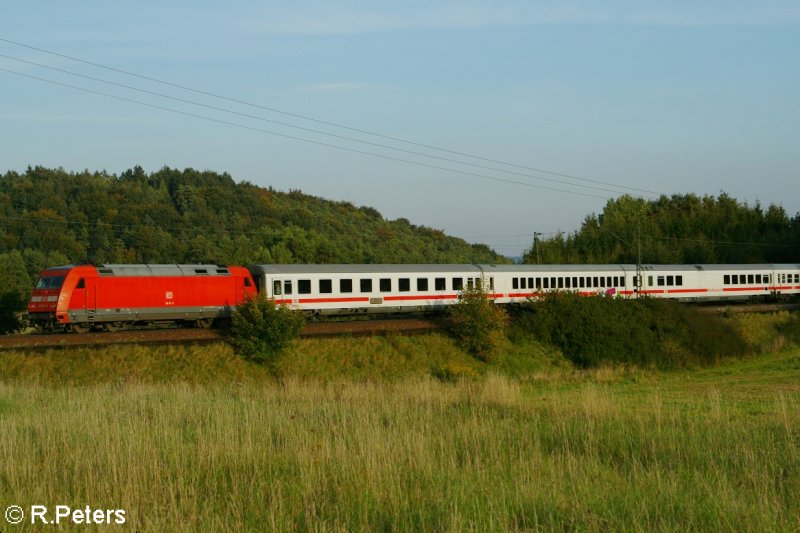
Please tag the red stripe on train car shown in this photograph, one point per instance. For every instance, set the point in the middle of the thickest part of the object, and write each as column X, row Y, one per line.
column 331, row 300
column 679, row 291
column 421, row 297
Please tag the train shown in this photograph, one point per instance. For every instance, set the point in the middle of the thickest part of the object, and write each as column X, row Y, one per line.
column 109, row 297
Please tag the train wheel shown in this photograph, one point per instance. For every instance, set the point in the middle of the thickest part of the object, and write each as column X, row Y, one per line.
column 78, row 328
column 204, row 323
column 111, row 327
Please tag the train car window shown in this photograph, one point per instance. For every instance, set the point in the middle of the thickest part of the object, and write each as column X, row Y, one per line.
column 539, row 283
column 276, row 287
column 523, row 283
column 581, row 281
column 670, row 281
column 608, row 282
column 422, row 284
column 575, row 282
column 404, row 284
column 515, row 283
column 758, row 278
column 546, row 283
column 552, row 283
column 304, row 286
column 470, row 283
column 346, row 285
column 287, row 286
column 81, row 284
column 726, row 279
column 567, row 283
column 560, row 283
column 750, row 278
column 595, row 282
column 679, row 281
column 325, row 286
column 439, row 284
column 735, row 279
column 491, row 284
column 649, row 281
column 366, row 285
column 386, row 285
column 660, row 281
column 458, row 284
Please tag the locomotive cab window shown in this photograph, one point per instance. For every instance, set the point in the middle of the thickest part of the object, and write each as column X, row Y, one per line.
column 247, row 282
column 81, row 284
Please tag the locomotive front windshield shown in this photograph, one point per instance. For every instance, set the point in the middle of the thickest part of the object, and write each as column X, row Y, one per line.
column 50, row 282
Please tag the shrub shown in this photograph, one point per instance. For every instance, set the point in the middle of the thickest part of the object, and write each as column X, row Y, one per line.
column 260, row 329
column 10, row 305
column 644, row 332
column 478, row 324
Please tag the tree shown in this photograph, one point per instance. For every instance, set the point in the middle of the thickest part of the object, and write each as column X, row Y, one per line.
column 261, row 329
column 15, row 290
column 478, row 324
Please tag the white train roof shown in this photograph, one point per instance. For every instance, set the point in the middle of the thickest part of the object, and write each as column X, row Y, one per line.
column 291, row 269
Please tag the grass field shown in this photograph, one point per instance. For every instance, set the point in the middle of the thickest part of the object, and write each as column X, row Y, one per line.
column 188, row 439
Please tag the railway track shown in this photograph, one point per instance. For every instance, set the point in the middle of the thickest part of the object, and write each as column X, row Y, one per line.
column 173, row 336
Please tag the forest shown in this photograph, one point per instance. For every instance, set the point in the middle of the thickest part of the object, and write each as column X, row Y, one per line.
column 676, row 229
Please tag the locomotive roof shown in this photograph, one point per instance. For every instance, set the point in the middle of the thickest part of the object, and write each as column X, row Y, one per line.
column 162, row 270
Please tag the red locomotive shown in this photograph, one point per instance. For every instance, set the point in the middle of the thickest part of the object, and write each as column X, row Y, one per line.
column 111, row 296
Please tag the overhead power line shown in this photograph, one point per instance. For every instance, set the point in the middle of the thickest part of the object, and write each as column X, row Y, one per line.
column 343, row 126
column 310, row 130
column 302, row 139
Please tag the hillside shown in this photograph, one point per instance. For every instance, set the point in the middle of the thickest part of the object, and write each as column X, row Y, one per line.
column 55, row 216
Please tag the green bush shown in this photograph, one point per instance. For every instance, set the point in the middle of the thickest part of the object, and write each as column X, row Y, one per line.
column 260, row 329
column 477, row 323
column 11, row 304
column 644, row 332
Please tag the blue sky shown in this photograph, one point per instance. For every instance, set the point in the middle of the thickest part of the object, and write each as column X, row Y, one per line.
column 645, row 97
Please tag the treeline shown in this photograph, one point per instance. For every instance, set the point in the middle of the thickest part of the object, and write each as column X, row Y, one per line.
column 54, row 217
column 677, row 229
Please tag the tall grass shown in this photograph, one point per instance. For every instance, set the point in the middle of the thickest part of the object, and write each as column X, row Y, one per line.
column 412, row 454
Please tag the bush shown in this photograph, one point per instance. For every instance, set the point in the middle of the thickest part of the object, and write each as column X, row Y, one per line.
column 11, row 304
column 478, row 324
column 260, row 329
column 644, row 332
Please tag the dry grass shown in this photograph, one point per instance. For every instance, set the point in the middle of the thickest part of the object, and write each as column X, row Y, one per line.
column 415, row 454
